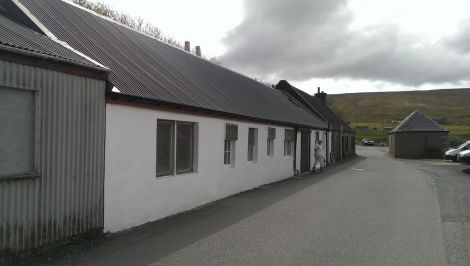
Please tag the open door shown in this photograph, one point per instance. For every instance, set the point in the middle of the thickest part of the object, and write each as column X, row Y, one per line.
column 304, row 151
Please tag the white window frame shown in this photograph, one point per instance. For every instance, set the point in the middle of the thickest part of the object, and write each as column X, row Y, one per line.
column 229, row 148
column 227, row 151
column 288, row 146
column 270, row 142
column 270, row 147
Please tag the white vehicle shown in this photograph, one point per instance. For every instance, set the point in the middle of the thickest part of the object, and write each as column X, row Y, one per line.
column 464, row 156
column 452, row 153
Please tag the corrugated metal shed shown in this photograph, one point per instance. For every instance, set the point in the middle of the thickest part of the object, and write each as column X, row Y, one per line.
column 417, row 121
column 20, row 39
column 65, row 198
column 144, row 67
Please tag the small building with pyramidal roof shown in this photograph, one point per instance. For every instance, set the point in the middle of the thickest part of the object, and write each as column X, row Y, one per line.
column 418, row 136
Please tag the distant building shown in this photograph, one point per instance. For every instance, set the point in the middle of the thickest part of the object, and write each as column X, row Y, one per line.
column 341, row 144
column 418, row 136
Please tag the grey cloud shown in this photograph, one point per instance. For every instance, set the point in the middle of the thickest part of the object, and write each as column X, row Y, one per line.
column 303, row 39
column 461, row 41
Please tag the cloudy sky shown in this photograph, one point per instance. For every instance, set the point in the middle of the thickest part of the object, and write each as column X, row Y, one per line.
column 339, row 45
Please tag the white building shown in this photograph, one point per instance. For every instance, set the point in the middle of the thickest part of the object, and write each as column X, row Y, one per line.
column 149, row 177
column 180, row 130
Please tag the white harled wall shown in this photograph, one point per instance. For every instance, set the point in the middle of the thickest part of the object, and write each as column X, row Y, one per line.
column 133, row 194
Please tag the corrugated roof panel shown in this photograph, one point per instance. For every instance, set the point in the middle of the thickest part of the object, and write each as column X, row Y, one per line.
column 417, row 121
column 145, row 67
column 19, row 37
column 335, row 120
column 320, row 107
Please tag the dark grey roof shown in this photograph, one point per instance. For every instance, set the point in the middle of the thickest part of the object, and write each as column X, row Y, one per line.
column 19, row 39
column 417, row 121
column 316, row 105
column 142, row 66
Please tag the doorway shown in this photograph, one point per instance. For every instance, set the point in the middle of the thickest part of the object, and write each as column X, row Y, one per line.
column 304, row 151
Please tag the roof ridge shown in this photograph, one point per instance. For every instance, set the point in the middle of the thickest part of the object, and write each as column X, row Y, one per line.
column 416, row 114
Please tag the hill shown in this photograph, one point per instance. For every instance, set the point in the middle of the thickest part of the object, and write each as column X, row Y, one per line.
column 381, row 111
column 452, row 104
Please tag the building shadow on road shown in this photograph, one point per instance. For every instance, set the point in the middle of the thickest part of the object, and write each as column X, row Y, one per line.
column 152, row 241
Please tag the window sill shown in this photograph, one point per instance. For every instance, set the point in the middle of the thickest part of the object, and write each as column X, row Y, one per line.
column 164, row 177
column 229, row 166
column 19, row 177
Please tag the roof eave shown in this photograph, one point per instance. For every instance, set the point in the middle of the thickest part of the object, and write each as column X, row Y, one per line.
column 143, row 100
column 43, row 60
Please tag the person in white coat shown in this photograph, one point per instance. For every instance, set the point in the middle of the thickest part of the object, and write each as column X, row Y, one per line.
column 319, row 159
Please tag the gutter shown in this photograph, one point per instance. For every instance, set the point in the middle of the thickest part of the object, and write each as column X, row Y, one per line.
column 52, row 58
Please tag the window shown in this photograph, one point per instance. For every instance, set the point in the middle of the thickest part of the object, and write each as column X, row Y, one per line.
column 289, row 142
column 270, row 141
column 317, row 136
column 227, row 151
column 231, row 136
column 252, row 144
column 17, row 131
column 175, row 148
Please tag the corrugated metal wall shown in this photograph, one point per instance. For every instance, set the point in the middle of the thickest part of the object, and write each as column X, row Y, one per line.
column 67, row 197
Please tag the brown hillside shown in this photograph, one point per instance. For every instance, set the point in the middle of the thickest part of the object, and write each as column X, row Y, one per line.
column 452, row 104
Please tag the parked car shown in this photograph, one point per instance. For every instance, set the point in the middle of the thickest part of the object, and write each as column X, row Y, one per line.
column 464, row 156
column 452, row 153
column 367, row 142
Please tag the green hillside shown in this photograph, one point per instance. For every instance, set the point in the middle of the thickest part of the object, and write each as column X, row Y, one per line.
column 453, row 104
column 384, row 109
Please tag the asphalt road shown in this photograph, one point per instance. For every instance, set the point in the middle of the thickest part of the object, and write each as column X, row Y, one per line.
column 372, row 210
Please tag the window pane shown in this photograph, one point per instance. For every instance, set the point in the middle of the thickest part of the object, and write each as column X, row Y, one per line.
column 271, row 147
column 227, row 151
column 286, row 146
column 231, row 132
column 17, row 130
column 251, row 136
column 184, row 147
column 251, row 143
column 165, row 147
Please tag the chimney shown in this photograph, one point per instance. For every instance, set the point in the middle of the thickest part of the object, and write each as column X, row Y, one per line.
column 321, row 95
column 198, row 50
column 187, row 46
